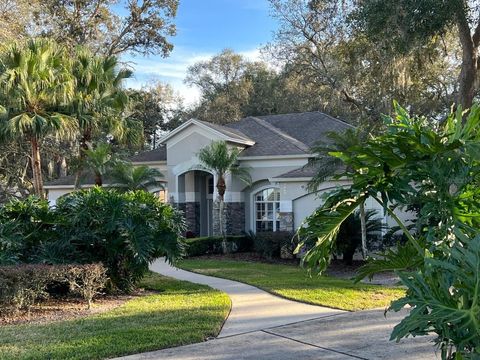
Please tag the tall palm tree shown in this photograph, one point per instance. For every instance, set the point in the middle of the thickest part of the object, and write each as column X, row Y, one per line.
column 100, row 102
column 35, row 81
column 129, row 177
column 222, row 160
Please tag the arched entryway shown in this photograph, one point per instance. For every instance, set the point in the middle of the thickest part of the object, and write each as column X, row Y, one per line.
column 195, row 198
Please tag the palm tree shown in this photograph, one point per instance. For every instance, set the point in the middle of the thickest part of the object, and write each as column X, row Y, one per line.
column 100, row 101
column 222, row 160
column 129, row 177
column 35, row 81
column 99, row 161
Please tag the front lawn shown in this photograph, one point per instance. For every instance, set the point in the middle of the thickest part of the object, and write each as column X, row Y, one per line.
column 182, row 313
column 294, row 283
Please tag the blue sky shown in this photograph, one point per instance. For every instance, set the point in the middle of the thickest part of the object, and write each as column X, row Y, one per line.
column 204, row 28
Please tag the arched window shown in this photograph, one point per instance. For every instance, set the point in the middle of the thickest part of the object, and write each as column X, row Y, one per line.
column 267, row 208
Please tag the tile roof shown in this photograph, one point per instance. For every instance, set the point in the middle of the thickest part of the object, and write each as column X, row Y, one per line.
column 227, row 131
column 158, row 154
column 286, row 134
column 306, row 171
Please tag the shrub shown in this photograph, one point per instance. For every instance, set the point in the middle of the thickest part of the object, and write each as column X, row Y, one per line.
column 270, row 244
column 22, row 285
column 125, row 231
column 25, row 227
column 213, row 245
column 86, row 280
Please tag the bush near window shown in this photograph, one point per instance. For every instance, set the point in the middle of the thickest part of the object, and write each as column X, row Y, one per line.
column 213, row 245
column 125, row 231
column 23, row 285
column 269, row 244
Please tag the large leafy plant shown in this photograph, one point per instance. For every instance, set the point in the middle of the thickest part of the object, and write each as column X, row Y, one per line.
column 422, row 166
column 125, row 231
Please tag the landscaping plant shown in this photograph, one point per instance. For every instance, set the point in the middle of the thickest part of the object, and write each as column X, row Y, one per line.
column 125, row 231
column 433, row 169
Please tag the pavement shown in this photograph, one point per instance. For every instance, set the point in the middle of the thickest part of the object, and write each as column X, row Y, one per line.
column 266, row 327
column 252, row 308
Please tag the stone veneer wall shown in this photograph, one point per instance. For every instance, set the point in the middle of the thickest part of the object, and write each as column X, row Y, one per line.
column 191, row 211
column 234, row 218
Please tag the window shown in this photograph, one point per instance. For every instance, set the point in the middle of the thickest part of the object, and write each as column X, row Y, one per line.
column 267, row 209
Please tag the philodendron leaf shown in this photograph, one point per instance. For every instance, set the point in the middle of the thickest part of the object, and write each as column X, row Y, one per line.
column 444, row 300
column 321, row 228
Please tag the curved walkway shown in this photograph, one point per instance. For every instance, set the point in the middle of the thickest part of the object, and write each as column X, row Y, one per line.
column 264, row 327
column 252, row 309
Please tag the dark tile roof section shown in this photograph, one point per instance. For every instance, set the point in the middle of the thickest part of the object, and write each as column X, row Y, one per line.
column 268, row 139
column 287, row 134
column 227, row 131
column 158, row 154
column 308, row 127
column 303, row 172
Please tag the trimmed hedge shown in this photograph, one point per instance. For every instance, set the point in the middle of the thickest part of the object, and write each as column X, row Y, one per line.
column 23, row 285
column 213, row 244
column 271, row 244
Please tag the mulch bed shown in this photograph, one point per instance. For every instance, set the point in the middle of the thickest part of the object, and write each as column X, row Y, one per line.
column 55, row 309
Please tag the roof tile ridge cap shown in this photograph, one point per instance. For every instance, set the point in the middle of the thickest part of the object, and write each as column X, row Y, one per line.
column 287, row 137
column 225, row 128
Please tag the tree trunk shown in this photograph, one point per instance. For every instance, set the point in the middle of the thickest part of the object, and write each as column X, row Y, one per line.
column 84, row 145
column 37, row 168
column 98, row 179
column 363, row 226
column 221, row 187
column 468, row 72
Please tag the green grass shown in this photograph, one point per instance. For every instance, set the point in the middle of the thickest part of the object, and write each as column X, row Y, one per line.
column 292, row 282
column 182, row 313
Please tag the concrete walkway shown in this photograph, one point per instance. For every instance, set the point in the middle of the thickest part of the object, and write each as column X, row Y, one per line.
column 252, row 308
column 264, row 327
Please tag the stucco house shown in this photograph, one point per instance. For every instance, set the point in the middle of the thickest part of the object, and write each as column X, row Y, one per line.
column 275, row 148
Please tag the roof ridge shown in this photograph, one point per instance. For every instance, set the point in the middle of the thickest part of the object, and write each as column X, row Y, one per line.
column 225, row 128
column 297, row 143
column 310, row 112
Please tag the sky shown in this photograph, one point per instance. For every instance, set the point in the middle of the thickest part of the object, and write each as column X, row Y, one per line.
column 204, row 28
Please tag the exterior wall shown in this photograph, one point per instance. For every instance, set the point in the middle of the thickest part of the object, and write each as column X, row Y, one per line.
column 54, row 194
column 192, row 217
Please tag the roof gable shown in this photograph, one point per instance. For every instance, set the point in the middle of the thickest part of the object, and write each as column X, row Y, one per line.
column 229, row 135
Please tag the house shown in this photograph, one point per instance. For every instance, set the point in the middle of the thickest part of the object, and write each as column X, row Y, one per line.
column 275, row 148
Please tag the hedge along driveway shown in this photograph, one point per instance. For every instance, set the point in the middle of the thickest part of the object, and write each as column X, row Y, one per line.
column 292, row 282
column 182, row 313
